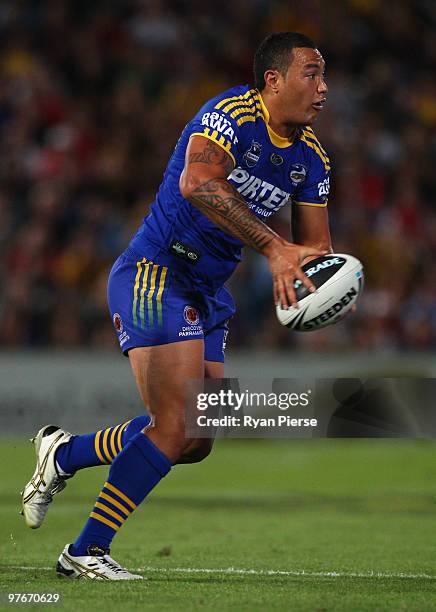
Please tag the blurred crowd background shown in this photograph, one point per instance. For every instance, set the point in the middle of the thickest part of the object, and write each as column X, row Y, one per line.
column 93, row 96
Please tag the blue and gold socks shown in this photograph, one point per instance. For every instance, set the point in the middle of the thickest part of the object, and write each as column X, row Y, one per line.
column 134, row 472
column 97, row 448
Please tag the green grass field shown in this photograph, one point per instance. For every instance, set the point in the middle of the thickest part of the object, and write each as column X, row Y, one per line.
column 321, row 524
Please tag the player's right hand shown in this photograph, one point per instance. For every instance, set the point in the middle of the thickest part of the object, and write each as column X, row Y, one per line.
column 285, row 260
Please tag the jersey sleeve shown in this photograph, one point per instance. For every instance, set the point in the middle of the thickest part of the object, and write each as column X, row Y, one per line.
column 222, row 120
column 316, row 188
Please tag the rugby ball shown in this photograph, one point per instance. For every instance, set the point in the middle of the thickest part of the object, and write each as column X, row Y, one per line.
column 338, row 279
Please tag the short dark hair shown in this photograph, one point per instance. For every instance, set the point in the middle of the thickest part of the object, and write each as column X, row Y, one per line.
column 275, row 53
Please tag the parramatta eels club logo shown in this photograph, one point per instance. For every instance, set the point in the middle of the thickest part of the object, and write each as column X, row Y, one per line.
column 190, row 315
column 118, row 323
column 252, row 155
column 298, row 173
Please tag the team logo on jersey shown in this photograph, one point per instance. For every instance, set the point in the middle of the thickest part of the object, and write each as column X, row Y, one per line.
column 118, row 323
column 190, row 314
column 297, row 174
column 276, row 159
column 252, row 155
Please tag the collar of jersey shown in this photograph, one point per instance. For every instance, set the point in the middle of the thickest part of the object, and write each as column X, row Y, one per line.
column 278, row 141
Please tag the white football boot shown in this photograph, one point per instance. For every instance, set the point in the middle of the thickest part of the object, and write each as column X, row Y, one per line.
column 97, row 565
column 46, row 480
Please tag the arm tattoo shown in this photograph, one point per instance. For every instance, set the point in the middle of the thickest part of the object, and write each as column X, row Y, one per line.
column 212, row 155
column 222, row 203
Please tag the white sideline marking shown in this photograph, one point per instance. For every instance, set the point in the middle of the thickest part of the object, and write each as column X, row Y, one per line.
column 252, row 572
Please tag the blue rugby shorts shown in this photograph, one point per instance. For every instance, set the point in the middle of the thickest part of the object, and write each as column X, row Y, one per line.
column 150, row 305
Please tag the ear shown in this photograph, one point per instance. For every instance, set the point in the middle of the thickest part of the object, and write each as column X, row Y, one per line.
column 272, row 80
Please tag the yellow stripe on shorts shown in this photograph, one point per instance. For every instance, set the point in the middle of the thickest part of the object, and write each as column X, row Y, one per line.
column 163, row 276
column 144, row 287
column 135, row 290
column 150, row 294
column 152, row 288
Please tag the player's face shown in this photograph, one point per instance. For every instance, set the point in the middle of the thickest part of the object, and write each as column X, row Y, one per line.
column 303, row 89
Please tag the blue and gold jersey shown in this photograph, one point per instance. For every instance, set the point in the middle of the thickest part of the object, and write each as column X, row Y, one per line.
column 270, row 172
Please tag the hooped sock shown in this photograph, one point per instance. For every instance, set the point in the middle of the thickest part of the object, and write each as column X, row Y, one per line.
column 133, row 474
column 98, row 448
